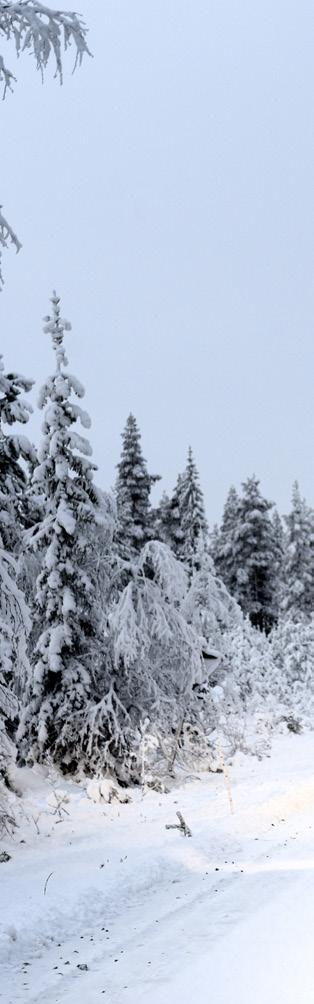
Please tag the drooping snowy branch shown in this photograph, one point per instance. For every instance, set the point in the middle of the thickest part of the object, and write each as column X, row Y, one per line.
column 46, row 34
column 7, row 235
column 43, row 32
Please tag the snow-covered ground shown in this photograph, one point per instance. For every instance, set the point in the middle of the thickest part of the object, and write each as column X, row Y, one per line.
column 225, row 916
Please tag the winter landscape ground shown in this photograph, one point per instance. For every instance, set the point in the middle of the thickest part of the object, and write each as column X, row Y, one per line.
column 223, row 915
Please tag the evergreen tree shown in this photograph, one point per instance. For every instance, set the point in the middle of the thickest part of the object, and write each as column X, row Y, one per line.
column 257, row 557
column 170, row 519
column 249, row 554
column 133, row 488
column 71, row 639
column 214, row 542
column 192, row 524
column 14, row 667
column 298, row 570
column 225, row 546
column 279, row 552
column 14, row 450
column 208, row 605
column 14, row 616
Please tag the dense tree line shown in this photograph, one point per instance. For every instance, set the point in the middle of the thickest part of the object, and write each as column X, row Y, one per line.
column 114, row 613
column 131, row 637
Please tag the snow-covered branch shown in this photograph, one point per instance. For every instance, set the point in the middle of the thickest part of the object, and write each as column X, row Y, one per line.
column 43, row 32
column 7, row 235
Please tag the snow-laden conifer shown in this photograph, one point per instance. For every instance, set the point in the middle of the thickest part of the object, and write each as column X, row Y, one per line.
column 224, row 545
column 249, row 555
column 208, row 605
column 170, row 518
column 186, row 518
column 16, row 455
column 194, row 523
column 156, row 662
column 14, row 666
column 67, row 616
column 133, row 489
column 298, row 568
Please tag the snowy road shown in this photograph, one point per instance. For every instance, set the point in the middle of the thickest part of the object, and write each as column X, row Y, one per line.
column 227, row 915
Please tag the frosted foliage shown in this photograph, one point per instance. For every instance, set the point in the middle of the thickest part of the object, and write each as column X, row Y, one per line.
column 208, row 605
column 133, row 488
column 14, row 449
column 193, row 519
column 267, row 682
column 224, row 541
column 149, row 628
column 7, row 236
column 14, row 615
column 182, row 520
column 156, row 663
column 68, row 615
column 33, row 28
column 298, row 566
column 247, row 555
column 293, row 675
column 13, row 408
column 14, row 666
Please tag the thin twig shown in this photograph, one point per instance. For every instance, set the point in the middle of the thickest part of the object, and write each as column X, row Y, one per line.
column 46, row 882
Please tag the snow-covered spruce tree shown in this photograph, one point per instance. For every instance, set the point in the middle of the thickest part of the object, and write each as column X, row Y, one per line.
column 255, row 556
column 14, row 617
column 191, row 509
column 34, row 28
column 14, row 670
column 16, row 454
column 169, row 522
column 224, row 549
column 161, row 520
column 298, row 567
column 133, row 488
column 70, row 645
column 157, row 661
column 279, row 552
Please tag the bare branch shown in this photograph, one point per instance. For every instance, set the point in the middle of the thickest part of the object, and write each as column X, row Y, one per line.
column 181, row 825
column 46, row 882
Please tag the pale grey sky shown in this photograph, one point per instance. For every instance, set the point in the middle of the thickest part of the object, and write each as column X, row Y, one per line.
column 167, row 191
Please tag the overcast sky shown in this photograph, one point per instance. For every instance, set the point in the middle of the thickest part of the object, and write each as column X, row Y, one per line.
column 167, row 191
